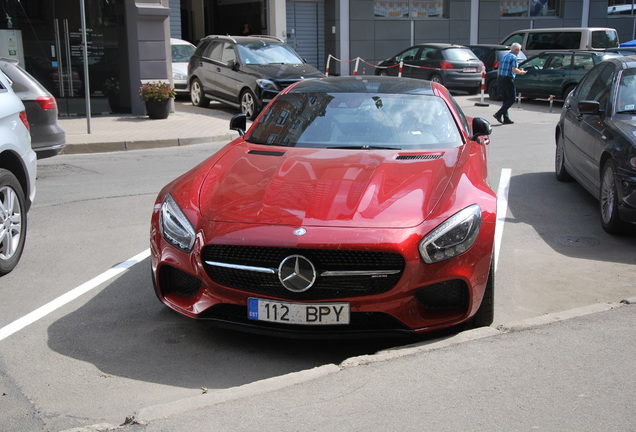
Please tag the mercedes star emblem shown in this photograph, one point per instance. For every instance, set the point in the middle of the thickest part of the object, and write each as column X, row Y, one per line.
column 297, row 273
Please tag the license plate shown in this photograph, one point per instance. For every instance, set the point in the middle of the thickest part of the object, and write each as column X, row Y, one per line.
column 467, row 70
column 298, row 313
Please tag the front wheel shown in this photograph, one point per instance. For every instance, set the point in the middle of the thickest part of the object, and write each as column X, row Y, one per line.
column 486, row 313
column 608, row 200
column 13, row 221
column 197, row 96
column 559, row 161
column 249, row 106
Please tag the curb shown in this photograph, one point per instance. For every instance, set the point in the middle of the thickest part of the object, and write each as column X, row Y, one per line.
column 115, row 146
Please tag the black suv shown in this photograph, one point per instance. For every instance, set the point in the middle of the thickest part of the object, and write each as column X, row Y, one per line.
column 245, row 72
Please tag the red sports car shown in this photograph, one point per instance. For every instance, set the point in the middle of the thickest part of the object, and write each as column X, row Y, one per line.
column 352, row 205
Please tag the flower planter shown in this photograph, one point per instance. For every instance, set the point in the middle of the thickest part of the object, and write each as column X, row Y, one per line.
column 158, row 109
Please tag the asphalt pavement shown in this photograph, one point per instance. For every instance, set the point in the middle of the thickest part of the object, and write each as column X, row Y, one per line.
column 567, row 371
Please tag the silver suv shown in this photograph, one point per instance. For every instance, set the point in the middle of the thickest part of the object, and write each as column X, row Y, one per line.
column 18, row 165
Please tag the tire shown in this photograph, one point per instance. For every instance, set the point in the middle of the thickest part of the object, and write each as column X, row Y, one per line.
column 436, row 78
column 493, row 93
column 569, row 89
column 559, row 161
column 608, row 200
column 197, row 96
column 486, row 313
column 383, row 72
column 13, row 221
column 249, row 106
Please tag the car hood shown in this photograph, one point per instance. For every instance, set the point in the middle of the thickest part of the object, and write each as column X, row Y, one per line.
column 284, row 71
column 180, row 67
column 626, row 124
column 322, row 187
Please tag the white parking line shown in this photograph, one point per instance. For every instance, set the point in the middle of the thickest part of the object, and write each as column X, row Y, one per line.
column 502, row 208
column 53, row 305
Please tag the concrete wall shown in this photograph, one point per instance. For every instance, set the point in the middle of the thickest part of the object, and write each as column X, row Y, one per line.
column 148, row 28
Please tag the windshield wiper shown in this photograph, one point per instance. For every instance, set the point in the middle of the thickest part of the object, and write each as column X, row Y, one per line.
column 365, row 147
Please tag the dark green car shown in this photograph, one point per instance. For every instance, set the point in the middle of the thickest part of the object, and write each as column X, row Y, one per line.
column 556, row 73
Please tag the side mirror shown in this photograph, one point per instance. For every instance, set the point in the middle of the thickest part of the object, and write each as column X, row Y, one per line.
column 239, row 123
column 232, row 64
column 481, row 127
column 589, row 107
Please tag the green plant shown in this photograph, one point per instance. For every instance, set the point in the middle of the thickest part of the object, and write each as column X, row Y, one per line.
column 157, row 91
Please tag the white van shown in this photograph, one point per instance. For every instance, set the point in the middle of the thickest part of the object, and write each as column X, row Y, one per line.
column 535, row 41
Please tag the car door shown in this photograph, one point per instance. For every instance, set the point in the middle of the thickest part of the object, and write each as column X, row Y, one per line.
column 528, row 84
column 584, row 133
column 410, row 57
column 205, row 68
column 227, row 72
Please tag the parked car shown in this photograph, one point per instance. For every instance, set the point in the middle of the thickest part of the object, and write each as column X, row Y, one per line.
column 181, row 52
column 47, row 136
column 596, row 140
column 245, row 72
column 535, row 41
column 18, row 165
column 353, row 205
column 454, row 66
column 556, row 73
column 491, row 54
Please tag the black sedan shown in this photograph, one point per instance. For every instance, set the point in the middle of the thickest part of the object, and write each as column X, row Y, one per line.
column 596, row 140
column 454, row 66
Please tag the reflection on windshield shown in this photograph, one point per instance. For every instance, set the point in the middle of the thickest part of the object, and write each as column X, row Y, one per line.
column 626, row 100
column 357, row 120
column 263, row 54
column 182, row 53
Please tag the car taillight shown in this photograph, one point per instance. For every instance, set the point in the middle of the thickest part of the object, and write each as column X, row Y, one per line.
column 23, row 117
column 495, row 65
column 46, row 102
column 446, row 65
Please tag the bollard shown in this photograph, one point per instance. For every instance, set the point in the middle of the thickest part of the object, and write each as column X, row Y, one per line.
column 551, row 102
column 400, row 69
column 483, row 88
column 519, row 101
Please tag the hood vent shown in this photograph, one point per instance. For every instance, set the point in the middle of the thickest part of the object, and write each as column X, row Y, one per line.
column 419, row 157
column 265, row 153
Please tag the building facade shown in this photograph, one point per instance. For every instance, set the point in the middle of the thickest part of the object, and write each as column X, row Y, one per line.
column 128, row 40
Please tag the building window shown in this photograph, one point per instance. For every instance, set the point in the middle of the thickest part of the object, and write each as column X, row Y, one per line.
column 411, row 9
column 620, row 7
column 532, row 8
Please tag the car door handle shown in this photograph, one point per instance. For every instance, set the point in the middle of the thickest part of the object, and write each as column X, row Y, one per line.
column 218, row 69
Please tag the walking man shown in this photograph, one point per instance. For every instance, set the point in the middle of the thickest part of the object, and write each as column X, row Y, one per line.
column 508, row 68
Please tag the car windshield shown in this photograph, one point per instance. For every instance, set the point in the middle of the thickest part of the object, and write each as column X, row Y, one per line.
column 357, row 121
column 626, row 101
column 182, row 53
column 261, row 53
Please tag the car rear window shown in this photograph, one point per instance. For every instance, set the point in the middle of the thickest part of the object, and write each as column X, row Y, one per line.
column 459, row 54
column 357, row 120
column 604, row 39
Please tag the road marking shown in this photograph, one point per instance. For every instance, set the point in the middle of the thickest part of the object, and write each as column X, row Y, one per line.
column 502, row 208
column 62, row 300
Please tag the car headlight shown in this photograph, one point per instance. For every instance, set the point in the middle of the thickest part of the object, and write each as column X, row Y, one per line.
column 267, row 84
column 175, row 227
column 178, row 76
column 452, row 237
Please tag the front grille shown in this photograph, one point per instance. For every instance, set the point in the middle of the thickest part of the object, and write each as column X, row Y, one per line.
column 325, row 287
column 284, row 84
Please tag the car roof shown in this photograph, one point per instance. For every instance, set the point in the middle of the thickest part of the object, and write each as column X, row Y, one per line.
column 441, row 45
column 495, row 46
column 364, row 84
column 624, row 62
column 175, row 41
column 245, row 39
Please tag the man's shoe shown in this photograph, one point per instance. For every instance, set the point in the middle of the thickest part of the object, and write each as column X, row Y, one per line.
column 498, row 118
column 508, row 121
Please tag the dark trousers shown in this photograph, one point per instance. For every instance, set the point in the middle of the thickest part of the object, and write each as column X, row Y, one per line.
column 507, row 90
